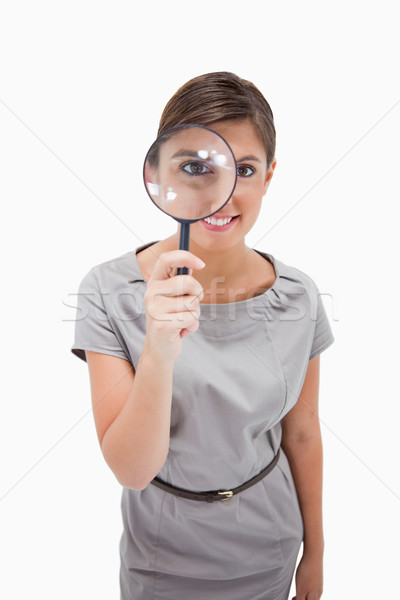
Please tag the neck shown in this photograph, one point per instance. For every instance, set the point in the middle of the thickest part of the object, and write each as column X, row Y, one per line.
column 225, row 266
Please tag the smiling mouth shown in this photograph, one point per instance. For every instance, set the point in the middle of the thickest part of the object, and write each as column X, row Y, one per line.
column 220, row 222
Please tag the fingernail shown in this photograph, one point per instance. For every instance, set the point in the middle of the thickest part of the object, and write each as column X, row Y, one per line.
column 200, row 263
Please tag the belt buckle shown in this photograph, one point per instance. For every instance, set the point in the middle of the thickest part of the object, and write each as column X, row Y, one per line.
column 227, row 493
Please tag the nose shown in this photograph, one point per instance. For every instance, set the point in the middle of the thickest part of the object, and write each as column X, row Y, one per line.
column 229, row 207
column 231, row 204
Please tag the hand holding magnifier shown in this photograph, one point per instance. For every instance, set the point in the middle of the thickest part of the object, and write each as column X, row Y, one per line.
column 190, row 173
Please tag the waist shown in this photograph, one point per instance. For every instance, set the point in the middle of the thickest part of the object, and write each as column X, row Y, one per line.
column 215, row 495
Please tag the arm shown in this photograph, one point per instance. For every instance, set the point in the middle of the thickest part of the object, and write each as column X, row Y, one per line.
column 132, row 414
column 132, row 411
column 301, row 442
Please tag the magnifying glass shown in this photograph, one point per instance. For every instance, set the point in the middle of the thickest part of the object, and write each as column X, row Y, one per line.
column 189, row 173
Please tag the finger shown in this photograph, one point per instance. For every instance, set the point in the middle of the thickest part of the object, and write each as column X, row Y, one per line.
column 184, row 320
column 174, row 259
column 187, row 331
column 181, row 285
column 173, row 272
column 182, row 303
column 175, row 317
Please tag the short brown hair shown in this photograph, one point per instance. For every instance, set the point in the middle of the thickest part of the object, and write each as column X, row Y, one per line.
column 217, row 97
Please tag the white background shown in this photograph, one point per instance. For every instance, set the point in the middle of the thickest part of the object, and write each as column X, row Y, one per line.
column 82, row 86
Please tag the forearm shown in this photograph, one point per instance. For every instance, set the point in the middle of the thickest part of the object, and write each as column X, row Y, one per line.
column 306, row 463
column 136, row 445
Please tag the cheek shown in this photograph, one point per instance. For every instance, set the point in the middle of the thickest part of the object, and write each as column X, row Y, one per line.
column 249, row 195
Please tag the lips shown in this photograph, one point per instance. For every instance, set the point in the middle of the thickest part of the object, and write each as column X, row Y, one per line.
column 215, row 227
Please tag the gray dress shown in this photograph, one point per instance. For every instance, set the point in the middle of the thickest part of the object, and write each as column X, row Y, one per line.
column 235, row 379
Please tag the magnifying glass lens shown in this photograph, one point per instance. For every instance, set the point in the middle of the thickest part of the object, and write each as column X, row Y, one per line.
column 190, row 172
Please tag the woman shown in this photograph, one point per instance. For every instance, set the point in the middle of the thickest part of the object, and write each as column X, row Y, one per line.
column 200, row 382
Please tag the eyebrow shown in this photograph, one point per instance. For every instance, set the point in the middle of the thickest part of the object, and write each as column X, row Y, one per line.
column 191, row 154
column 249, row 157
column 184, row 152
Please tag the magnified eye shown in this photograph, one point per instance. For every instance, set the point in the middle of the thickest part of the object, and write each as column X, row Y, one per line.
column 195, row 168
column 245, row 171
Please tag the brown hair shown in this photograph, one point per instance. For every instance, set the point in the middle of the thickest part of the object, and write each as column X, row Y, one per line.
column 220, row 96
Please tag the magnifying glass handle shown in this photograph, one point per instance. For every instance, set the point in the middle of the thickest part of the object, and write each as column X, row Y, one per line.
column 184, row 245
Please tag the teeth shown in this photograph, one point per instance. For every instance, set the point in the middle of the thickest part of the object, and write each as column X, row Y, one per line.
column 219, row 222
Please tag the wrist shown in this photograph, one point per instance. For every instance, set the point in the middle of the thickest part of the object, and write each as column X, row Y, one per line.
column 151, row 355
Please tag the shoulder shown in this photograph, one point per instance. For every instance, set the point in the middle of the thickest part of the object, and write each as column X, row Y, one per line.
column 114, row 290
column 296, row 291
column 293, row 274
column 113, row 273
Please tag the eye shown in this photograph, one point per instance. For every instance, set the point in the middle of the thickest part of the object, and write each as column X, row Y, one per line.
column 245, row 171
column 195, row 168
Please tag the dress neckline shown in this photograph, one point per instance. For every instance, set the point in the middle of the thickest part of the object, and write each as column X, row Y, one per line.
column 216, row 305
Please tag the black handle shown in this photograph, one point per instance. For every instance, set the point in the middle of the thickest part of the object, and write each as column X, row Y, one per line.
column 184, row 245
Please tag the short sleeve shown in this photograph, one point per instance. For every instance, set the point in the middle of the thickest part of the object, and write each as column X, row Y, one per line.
column 323, row 336
column 93, row 330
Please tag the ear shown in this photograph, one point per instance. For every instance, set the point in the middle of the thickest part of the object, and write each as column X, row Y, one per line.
column 269, row 174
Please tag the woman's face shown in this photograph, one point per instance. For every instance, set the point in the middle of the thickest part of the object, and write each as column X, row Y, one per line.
column 253, row 180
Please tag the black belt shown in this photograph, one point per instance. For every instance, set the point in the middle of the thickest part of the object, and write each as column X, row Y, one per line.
column 217, row 494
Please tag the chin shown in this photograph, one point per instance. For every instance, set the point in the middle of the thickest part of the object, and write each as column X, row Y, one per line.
column 214, row 240
column 214, row 245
